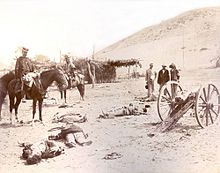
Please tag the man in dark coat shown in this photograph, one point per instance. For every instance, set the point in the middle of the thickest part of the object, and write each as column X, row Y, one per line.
column 22, row 67
column 163, row 76
column 23, row 64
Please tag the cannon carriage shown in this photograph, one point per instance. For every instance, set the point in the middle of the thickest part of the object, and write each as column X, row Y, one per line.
column 173, row 102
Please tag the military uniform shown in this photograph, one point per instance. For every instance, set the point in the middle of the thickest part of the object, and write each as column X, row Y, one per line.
column 70, row 69
column 69, row 66
column 22, row 67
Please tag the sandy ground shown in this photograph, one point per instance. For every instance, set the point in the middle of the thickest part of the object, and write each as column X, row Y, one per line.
column 186, row 148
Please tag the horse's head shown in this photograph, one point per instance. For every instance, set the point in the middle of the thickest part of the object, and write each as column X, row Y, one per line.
column 61, row 80
column 47, row 77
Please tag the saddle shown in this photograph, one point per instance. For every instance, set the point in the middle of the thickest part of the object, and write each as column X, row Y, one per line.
column 34, row 78
column 79, row 78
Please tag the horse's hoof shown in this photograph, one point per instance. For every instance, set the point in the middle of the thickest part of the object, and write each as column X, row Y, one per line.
column 33, row 124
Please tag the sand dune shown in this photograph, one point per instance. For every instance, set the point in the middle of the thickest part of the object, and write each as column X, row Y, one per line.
column 190, row 40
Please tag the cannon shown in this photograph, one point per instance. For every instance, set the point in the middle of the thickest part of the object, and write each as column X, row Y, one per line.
column 173, row 102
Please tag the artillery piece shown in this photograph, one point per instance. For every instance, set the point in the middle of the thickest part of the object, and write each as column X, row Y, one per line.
column 173, row 103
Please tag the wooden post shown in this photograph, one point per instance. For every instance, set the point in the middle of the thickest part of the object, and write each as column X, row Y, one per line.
column 129, row 71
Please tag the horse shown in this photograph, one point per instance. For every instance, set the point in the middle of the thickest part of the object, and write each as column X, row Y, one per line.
column 4, row 81
column 78, row 81
column 36, row 94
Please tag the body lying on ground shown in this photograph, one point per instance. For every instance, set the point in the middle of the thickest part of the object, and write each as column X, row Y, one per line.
column 72, row 135
column 69, row 118
column 33, row 153
column 124, row 111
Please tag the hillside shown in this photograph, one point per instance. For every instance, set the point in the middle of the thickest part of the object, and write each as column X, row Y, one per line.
column 190, row 40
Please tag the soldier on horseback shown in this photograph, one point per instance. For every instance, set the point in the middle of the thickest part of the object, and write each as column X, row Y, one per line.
column 25, row 73
column 70, row 69
column 22, row 67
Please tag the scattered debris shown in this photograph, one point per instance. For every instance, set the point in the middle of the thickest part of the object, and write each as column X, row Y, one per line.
column 150, row 135
column 112, row 156
column 65, row 106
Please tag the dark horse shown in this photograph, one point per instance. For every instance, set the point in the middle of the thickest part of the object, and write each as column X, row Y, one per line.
column 46, row 78
column 79, row 82
column 4, row 81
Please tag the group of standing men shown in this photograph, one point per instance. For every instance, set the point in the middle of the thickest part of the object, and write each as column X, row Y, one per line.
column 163, row 76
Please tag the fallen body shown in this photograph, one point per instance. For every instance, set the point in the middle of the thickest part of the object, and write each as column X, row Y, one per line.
column 69, row 118
column 124, row 111
column 72, row 135
column 33, row 153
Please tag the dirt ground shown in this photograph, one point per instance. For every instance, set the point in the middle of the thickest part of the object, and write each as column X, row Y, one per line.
column 186, row 148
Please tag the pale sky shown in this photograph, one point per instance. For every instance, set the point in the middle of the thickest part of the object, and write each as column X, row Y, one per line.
column 48, row 26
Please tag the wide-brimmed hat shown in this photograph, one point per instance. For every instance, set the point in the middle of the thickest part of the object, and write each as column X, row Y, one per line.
column 163, row 65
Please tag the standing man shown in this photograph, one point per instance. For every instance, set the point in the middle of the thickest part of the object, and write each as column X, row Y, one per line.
column 150, row 78
column 22, row 67
column 163, row 76
column 174, row 74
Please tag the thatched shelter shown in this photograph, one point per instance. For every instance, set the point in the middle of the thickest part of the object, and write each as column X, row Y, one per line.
column 94, row 71
column 102, row 71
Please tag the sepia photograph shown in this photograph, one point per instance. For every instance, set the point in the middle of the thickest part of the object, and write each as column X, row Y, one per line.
column 110, row 86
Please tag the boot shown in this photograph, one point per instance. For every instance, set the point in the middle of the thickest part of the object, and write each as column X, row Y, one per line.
column 27, row 95
column 18, row 87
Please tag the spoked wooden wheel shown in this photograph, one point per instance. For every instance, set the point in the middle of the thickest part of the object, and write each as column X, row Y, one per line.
column 166, row 98
column 207, row 105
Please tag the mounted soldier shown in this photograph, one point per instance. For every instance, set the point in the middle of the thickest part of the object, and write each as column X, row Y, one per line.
column 69, row 66
column 25, row 73
column 70, row 69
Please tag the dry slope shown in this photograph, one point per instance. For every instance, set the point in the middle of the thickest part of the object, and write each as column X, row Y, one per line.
column 190, row 40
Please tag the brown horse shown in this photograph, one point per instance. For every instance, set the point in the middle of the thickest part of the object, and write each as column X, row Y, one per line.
column 79, row 82
column 4, row 81
column 46, row 79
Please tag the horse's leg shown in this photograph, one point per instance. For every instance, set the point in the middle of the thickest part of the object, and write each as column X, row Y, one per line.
column 2, row 98
column 64, row 95
column 18, row 101
column 11, row 106
column 34, row 110
column 81, row 89
column 1, row 102
column 40, row 103
column 61, row 95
